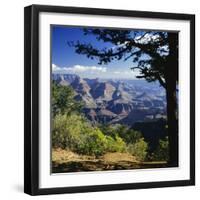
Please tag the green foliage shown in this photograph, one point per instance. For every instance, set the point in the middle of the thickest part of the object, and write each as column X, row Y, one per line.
column 63, row 100
column 152, row 131
column 75, row 133
column 129, row 135
column 67, row 130
column 115, row 144
column 139, row 149
column 93, row 142
column 162, row 151
column 109, row 130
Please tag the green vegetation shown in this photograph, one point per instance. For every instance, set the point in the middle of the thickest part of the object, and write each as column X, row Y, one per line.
column 115, row 144
column 139, row 149
column 72, row 131
column 63, row 100
column 162, row 151
column 128, row 135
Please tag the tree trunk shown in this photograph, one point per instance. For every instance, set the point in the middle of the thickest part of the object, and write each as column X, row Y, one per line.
column 171, row 77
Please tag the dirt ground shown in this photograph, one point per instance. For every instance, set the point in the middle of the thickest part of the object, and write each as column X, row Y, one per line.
column 68, row 161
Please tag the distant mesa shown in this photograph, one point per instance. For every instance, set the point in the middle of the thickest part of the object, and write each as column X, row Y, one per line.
column 117, row 101
column 64, row 79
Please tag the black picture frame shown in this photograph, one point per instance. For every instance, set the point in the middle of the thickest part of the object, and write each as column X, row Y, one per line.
column 31, row 99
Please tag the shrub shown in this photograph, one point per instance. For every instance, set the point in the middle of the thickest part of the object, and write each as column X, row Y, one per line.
column 138, row 149
column 67, row 130
column 128, row 135
column 93, row 142
column 75, row 133
column 109, row 130
column 63, row 101
column 162, row 151
column 115, row 144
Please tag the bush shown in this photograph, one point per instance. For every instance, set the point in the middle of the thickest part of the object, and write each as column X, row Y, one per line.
column 130, row 136
column 162, row 151
column 127, row 134
column 75, row 133
column 115, row 144
column 63, row 101
column 138, row 149
column 67, row 130
column 109, row 130
column 93, row 142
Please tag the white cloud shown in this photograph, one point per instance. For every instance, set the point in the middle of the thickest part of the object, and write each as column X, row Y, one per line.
column 125, row 72
column 95, row 72
column 119, row 45
column 78, row 69
column 147, row 38
column 55, row 68
column 81, row 68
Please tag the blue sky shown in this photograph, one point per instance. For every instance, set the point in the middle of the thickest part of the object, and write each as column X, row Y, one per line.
column 66, row 60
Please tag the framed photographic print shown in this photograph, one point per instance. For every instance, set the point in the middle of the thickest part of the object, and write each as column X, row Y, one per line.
column 109, row 100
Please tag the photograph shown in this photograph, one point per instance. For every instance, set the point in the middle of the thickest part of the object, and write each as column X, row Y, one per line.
column 109, row 99
column 114, row 99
